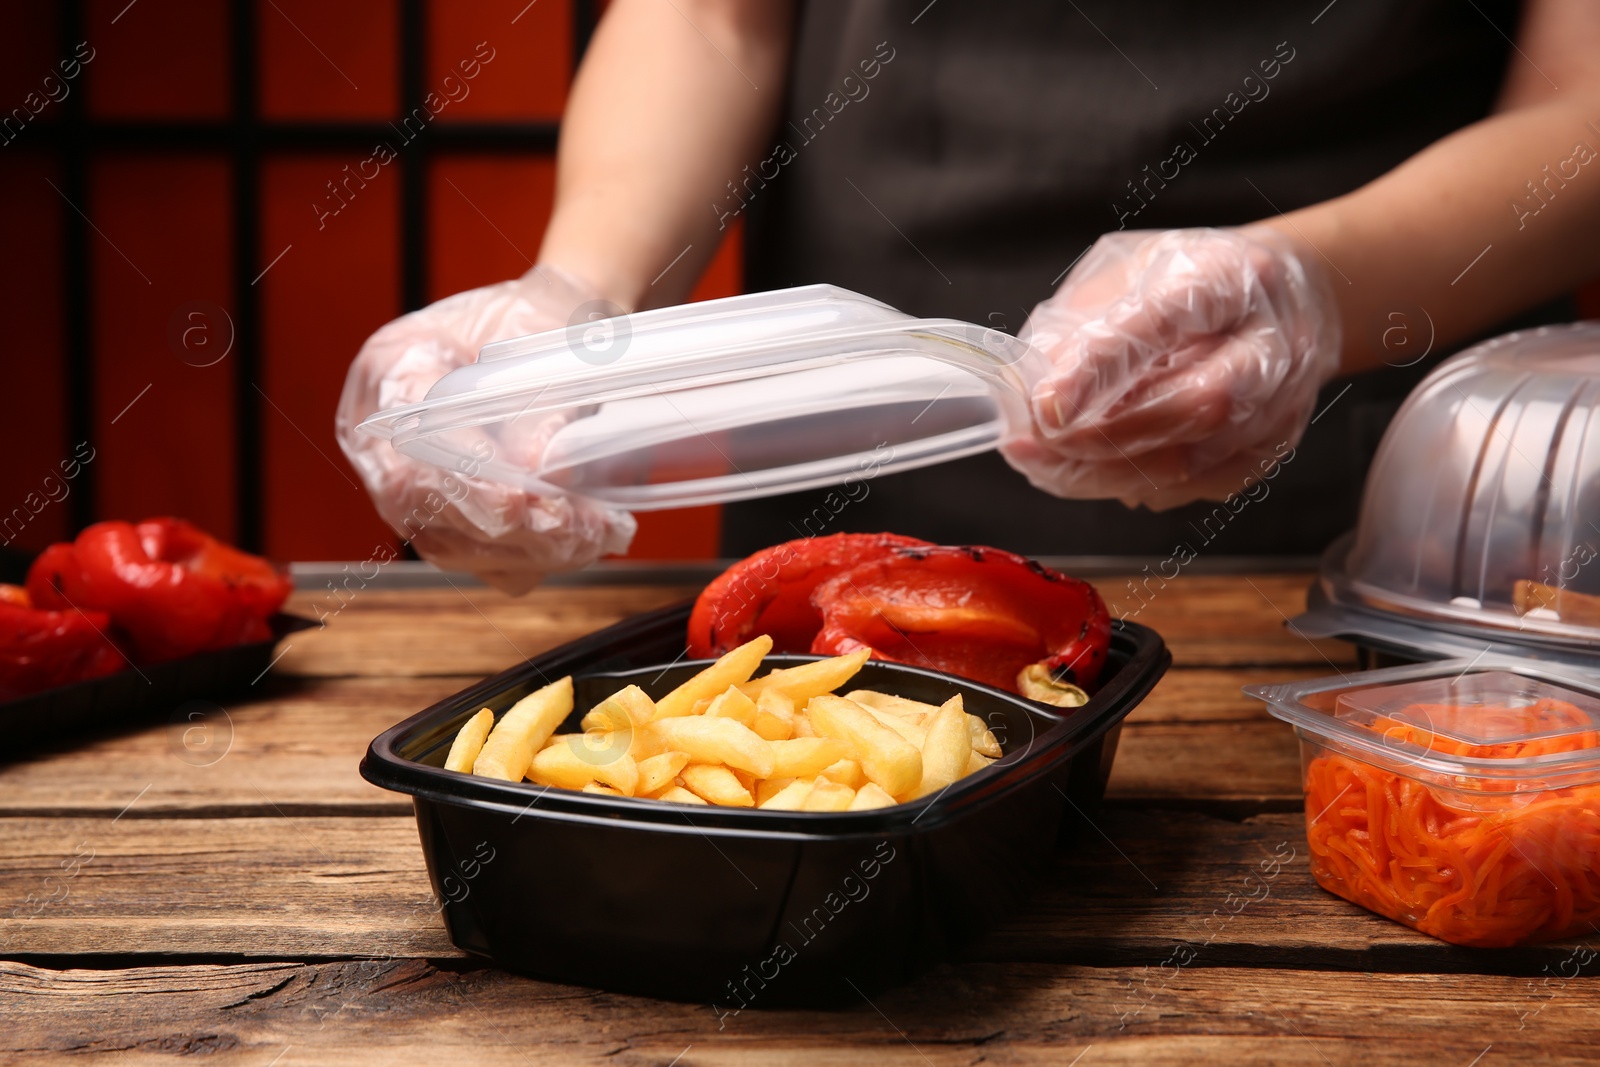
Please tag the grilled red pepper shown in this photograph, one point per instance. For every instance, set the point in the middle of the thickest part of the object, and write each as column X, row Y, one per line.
column 981, row 613
column 770, row 592
column 171, row 588
column 43, row 649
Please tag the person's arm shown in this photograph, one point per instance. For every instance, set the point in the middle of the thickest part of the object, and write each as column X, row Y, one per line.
column 1457, row 229
column 673, row 99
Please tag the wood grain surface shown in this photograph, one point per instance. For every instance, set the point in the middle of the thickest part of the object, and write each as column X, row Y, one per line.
column 225, row 884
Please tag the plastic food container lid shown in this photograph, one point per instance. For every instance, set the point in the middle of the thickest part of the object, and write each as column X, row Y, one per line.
column 1506, row 728
column 1480, row 511
column 724, row 400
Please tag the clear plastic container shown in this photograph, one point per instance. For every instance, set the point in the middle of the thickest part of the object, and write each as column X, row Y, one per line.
column 1461, row 798
column 1482, row 508
column 723, row 400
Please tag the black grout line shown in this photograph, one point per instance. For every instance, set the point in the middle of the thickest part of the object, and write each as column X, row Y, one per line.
column 78, row 378
column 413, row 163
column 246, row 210
column 584, row 19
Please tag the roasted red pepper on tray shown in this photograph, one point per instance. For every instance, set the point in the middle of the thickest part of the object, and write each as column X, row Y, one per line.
column 43, row 649
column 770, row 592
column 169, row 588
column 981, row 613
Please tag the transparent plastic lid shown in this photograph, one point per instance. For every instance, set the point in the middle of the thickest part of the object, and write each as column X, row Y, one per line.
column 1482, row 508
column 724, row 400
column 1493, row 711
column 1513, row 725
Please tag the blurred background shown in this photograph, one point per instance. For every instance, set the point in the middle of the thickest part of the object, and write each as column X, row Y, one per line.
column 210, row 204
column 200, row 229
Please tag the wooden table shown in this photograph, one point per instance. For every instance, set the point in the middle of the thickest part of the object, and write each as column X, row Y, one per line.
column 230, row 886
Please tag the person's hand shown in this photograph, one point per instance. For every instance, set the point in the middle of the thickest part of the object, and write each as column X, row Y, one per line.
column 1181, row 362
column 505, row 536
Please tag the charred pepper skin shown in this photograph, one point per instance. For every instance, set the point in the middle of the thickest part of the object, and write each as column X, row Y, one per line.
column 770, row 591
column 41, row 650
column 170, row 589
column 981, row 613
column 977, row 612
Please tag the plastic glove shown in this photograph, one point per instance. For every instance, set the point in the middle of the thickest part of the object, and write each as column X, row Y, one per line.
column 1180, row 363
column 507, row 537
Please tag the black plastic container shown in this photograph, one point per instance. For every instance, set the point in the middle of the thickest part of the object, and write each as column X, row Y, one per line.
column 132, row 697
column 736, row 906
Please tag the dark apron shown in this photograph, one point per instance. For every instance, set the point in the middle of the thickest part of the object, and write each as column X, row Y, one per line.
column 995, row 141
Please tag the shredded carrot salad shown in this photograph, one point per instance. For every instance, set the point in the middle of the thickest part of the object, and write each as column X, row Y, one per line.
column 1488, row 868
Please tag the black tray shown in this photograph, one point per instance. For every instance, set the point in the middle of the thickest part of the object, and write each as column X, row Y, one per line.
column 132, row 697
column 744, row 907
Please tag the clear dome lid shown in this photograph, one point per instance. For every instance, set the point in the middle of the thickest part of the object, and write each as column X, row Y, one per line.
column 724, row 400
column 1482, row 508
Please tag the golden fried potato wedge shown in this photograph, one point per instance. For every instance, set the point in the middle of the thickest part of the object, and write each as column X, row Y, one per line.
column 732, row 704
column 768, row 787
column 621, row 710
column 913, row 710
column 886, row 757
column 870, row 796
column 469, row 742
column 899, row 724
column 976, row 762
column 803, row 757
column 791, row 797
column 828, row 795
column 677, row 794
column 807, row 680
column 522, row 731
column 714, row 740
column 774, row 715
column 734, row 667
column 657, row 772
column 600, row 746
column 716, row 784
column 570, row 766
column 947, row 749
column 845, row 772
column 983, row 739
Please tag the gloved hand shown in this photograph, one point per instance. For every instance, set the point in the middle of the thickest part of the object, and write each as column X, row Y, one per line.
column 505, row 536
column 1179, row 362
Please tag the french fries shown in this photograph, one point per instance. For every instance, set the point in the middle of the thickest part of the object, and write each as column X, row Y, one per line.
column 887, row 758
column 622, row 710
column 469, row 742
column 732, row 704
column 945, row 753
column 522, row 731
column 828, row 795
column 717, row 785
column 792, row 797
column 569, row 766
column 734, row 667
column 871, row 796
column 782, row 742
column 712, row 740
column 774, row 716
column 805, row 757
column 658, row 772
column 808, row 680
